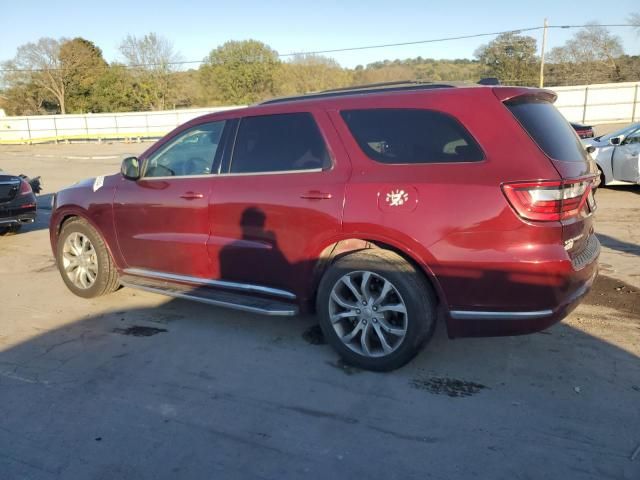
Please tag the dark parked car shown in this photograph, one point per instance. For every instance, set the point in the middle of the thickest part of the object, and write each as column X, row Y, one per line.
column 17, row 201
column 380, row 209
column 583, row 131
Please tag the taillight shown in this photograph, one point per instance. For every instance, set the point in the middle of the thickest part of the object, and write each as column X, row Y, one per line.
column 550, row 200
column 25, row 188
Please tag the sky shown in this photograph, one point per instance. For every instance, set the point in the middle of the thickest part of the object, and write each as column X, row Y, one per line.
column 196, row 27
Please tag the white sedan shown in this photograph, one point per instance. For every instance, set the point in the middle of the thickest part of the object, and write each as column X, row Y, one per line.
column 618, row 155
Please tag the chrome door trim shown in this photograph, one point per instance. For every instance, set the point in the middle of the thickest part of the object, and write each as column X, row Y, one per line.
column 485, row 315
column 243, row 287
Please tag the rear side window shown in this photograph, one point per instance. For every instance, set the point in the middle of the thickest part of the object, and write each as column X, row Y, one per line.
column 278, row 143
column 400, row 136
column 548, row 128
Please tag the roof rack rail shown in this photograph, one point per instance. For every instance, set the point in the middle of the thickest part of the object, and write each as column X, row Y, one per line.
column 489, row 81
column 367, row 88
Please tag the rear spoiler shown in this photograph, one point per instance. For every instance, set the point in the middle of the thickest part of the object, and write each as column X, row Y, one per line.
column 505, row 94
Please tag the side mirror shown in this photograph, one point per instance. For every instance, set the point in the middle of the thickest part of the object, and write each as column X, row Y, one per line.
column 130, row 168
column 590, row 149
column 616, row 140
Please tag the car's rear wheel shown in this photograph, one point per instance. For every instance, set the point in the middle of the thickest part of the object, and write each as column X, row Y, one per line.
column 84, row 261
column 376, row 309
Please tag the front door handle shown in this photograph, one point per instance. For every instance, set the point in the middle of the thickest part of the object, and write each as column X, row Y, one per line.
column 316, row 195
column 192, row 195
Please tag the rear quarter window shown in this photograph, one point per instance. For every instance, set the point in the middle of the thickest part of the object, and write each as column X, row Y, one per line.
column 411, row 136
column 548, row 128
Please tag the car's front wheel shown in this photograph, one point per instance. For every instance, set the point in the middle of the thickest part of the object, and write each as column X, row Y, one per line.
column 376, row 309
column 84, row 261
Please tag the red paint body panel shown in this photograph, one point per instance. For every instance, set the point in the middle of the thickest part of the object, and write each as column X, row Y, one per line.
column 271, row 230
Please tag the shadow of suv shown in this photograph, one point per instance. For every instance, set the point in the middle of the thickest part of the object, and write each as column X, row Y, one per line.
column 379, row 208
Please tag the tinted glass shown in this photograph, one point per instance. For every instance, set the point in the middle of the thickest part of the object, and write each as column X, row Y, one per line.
column 190, row 153
column 276, row 143
column 549, row 129
column 411, row 136
column 633, row 137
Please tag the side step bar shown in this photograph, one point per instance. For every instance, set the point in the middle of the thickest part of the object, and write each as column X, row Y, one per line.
column 236, row 301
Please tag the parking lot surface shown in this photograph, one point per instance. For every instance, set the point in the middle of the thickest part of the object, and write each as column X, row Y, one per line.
column 136, row 385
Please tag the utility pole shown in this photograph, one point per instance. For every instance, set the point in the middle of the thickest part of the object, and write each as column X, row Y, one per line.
column 544, row 44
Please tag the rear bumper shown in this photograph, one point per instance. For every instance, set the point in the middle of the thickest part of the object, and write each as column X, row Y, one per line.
column 18, row 211
column 485, row 323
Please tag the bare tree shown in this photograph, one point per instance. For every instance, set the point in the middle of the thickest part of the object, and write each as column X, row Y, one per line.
column 151, row 60
column 591, row 55
column 634, row 19
column 39, row 64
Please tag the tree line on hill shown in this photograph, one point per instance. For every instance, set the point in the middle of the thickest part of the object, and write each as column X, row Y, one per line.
column 72, row 76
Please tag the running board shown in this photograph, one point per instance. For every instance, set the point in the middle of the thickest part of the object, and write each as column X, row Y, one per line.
column 210, row 296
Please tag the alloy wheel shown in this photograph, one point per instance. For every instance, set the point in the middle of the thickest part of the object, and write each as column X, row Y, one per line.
column 368, row 314
column 79, row 260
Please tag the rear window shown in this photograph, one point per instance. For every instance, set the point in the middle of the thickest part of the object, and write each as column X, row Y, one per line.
column 400, row 136
column 548, row 128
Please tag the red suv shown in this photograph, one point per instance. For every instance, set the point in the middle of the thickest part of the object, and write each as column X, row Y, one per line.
column 381, row 209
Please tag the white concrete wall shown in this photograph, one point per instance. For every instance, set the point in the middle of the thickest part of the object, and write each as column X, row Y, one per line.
column 39, row 128
column 598, row 104
column 592, row 104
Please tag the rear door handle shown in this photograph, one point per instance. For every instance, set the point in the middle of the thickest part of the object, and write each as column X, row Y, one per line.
column 316, row 195
column 192, row 195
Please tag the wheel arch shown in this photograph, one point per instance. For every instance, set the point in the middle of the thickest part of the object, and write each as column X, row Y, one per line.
column 344, row 246
column 67, row 215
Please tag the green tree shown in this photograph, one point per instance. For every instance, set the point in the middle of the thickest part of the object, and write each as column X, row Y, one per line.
column 310, row 73
column 511, row 58
column 83, row 64
column 115, row 91
column 240, row 72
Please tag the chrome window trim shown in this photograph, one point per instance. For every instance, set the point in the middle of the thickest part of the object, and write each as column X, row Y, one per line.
column 175, row 177
column 243, row 287
column 244, row 174
column 10, row 182
column 487, row 315
column 281, row 172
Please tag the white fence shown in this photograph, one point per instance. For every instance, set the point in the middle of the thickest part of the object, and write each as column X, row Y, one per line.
column 591, row 104
column 598, row 104
column 99, row 126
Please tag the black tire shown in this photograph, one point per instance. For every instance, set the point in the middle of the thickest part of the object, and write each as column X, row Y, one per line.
column 107, row 279
column 601, row 184
column 414, row 291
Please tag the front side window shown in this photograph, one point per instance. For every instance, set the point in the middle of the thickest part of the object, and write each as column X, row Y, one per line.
column 411, row 136
column 634, row 138
column 191, row 153
column 279, row 143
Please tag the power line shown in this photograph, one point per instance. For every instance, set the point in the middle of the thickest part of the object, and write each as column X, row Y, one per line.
column 352, row 49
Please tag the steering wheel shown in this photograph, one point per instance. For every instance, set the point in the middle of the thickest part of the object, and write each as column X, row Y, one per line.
column 196, row 166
